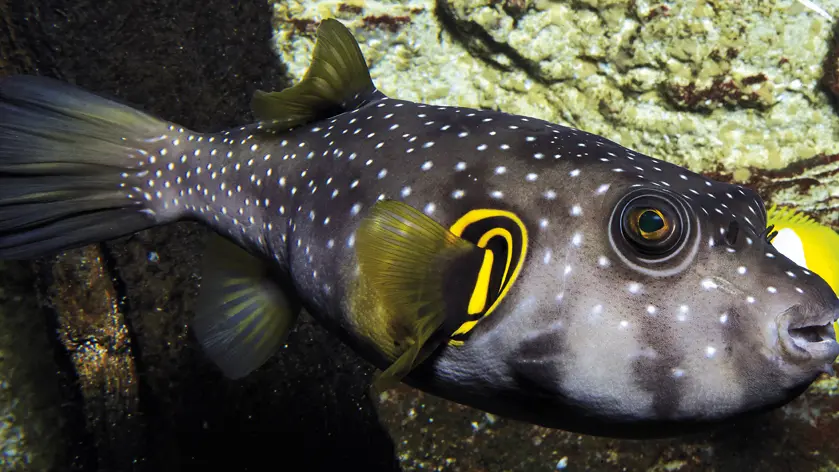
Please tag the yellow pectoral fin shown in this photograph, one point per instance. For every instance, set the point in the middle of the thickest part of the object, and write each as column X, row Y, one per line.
column 412, row 269
column 403, row 365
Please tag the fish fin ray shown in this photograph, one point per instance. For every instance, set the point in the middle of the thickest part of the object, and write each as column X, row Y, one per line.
column 243, row 316
column 786, row 216
column 337, row 80
column 420, row 273
column 68, row 159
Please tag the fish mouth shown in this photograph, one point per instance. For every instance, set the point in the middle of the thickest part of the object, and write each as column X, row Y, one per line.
column 808, row 335
column 812, row 334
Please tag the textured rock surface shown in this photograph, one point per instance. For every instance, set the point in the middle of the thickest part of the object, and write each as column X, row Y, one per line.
column 32, row 427
column 90, row 324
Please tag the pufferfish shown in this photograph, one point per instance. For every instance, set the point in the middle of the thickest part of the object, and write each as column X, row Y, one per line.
column 524, row 268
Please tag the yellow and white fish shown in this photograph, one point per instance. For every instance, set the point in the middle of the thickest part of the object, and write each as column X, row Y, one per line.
column 808, row 243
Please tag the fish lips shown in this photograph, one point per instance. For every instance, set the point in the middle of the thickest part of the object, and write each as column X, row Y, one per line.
column 807, row 335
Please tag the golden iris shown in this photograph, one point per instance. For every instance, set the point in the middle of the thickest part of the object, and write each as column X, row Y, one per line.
column 649, row 223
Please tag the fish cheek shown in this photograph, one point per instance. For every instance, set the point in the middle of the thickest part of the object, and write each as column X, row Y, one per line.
column 538, row 363
column 755, row 374
column 655, row 370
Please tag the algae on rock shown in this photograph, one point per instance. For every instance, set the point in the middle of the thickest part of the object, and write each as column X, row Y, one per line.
column 31, row 422
column 702, row 84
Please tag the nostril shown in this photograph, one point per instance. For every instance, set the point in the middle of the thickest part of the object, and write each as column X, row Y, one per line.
column 732, row 233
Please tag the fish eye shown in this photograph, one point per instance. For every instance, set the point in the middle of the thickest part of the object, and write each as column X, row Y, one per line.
column 651, row 225
column 654, row 231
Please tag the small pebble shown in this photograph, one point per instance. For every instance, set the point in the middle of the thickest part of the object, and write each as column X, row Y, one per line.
column 563, row 463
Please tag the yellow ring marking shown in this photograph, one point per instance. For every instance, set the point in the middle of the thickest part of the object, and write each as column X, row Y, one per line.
column 507, row 237
column 475, row 216
column 479, row 296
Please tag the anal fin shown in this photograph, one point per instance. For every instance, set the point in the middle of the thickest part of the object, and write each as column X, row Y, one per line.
column 243, row 315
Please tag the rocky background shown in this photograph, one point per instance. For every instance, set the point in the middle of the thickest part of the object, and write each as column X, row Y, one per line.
column 98, row 370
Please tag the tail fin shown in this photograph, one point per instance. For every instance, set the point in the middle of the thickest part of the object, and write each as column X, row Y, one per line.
column 71, row 167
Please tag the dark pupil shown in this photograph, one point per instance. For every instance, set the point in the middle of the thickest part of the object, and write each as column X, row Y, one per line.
column 650, row 222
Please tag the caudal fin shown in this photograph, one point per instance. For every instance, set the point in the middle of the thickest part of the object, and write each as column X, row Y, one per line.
column 72, row 167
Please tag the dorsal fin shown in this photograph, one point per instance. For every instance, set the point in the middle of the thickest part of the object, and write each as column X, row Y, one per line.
column 785, row 216
column 337, row 80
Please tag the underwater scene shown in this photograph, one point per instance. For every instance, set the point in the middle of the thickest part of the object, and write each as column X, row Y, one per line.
column 419, row 235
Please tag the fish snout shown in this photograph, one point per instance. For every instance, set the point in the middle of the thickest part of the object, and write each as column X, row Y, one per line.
column 807, row 335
